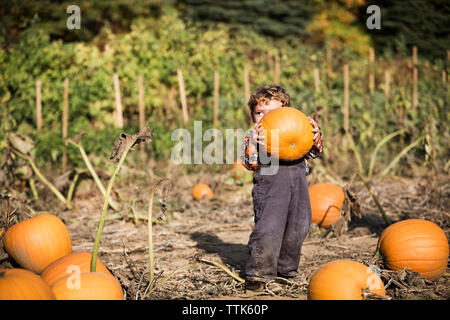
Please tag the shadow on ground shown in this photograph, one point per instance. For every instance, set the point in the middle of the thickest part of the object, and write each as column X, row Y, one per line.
column 232, row 254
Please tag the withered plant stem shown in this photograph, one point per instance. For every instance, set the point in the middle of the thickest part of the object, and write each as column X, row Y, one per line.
column 105, row 207
column 92, row 172
column 374, row 197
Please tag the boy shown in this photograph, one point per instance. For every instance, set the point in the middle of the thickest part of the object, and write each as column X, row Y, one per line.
column 280, row 201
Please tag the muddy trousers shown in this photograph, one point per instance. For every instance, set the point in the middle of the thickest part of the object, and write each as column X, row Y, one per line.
column 282, row 218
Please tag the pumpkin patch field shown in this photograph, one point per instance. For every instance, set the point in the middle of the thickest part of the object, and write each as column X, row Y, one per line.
column 135, row 139
column 193, row 237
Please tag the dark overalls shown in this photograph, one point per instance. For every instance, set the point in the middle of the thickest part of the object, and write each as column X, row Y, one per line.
column 282, row 218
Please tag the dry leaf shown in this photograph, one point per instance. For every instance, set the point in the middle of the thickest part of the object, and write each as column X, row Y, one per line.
column 19, row 142
column 125, row 141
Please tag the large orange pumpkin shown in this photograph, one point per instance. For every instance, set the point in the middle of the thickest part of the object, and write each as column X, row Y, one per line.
column 344, row 280
column 288, row 133
column 201, row 190
column 88, row 286
column 35, row 243
column 326, row 203
column 416, row 244
column 21, row 284
column 73, row 262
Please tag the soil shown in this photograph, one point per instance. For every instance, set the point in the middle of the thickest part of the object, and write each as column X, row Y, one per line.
column 216, row 230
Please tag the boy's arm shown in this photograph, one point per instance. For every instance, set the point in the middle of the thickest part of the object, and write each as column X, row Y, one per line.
column 317, row 148
column 249, row 155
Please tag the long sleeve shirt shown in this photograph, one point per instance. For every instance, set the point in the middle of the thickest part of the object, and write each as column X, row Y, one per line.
column 251, row 160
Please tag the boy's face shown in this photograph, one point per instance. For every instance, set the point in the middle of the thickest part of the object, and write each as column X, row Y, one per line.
column 263, row 108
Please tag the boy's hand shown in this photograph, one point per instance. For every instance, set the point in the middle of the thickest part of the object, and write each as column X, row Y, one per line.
column 315, row 129
column 256, row 138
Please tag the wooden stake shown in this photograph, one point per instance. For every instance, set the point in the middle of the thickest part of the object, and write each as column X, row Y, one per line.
column 387, row 83
column 141, row 102
column 216, row 100
column 371, row 70
column 141, row 111
column 346, row 97
column 65, row 121
column 118, row 116
column 415, row 78
column 38, row 105
column 183, row 96
column 316, row 80
column 414, row 55
column 277, row 69
column 415, row 81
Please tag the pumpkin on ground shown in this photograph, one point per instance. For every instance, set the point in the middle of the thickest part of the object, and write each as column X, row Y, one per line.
column 288, row 133
column 35, row 243
column 416, row 244
column 69, row 264
column 201, row 190
column 326, row 203
column 88, row 286
column 21, row 284
column 344, row 280
column 240, row 174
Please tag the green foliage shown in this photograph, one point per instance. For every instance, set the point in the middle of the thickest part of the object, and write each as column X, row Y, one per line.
column 405, row 23
column 157, row 47
column 273, row 18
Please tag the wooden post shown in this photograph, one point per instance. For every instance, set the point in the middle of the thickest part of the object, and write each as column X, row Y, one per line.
column 415, row 78
column 414, row 55
column 371, row 70
column 141, row 111
column 316, row 80
column 216, row 100
column 183, row 96
column 346, row 97
column 387, row 83
column 65, row 121
column 38, row 105
column 415, row 81
column 141, row 102
column 118, row 116
column 277, row 69
column 444, row 76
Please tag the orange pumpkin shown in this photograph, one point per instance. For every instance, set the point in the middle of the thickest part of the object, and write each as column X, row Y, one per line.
column 416, row 244
column 21, row 284
column 344, row 280
column 238, row 170
column 35, row 243
column 88, row 286
column 326, row 203
column 202, row 190
column 73, row 262
column 288, row 133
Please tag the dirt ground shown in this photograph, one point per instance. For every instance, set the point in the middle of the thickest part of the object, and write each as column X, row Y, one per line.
column 217, row 230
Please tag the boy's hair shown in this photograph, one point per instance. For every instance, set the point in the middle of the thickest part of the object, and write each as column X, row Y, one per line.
column 267, row 92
